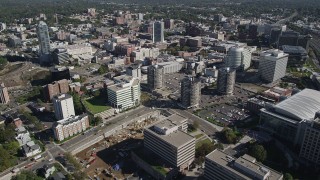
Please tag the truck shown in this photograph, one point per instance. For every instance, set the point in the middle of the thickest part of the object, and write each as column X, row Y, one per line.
column 36, row 157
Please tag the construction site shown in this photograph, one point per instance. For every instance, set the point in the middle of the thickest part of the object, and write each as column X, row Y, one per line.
column 110, row 158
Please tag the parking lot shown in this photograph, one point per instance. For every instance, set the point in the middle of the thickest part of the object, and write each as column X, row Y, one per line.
column 225, row 109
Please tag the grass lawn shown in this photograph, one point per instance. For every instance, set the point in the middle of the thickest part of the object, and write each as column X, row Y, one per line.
column 96, row 105
column 205, row 141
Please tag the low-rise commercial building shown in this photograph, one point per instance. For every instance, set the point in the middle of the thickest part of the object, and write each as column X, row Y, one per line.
column 70, row 126
column 289, row 119
column 219, row 165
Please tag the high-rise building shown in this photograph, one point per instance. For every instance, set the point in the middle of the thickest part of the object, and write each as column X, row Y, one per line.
column 239, row 57
column 63, row 106
column 140, row 16
column 190, row 92
column 168, row 23
column 70, row 126
column 226, row 80
column 4, row 95
column 155, row 77
column 158, row 32
column 273, row 65
column 55, row 88
column 168, row 139
column 44, row 40
column 134, row 71
column 125, row 94
column 219, row 165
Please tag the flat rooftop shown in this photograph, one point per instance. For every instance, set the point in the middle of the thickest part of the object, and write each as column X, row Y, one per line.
column 62, row 97
column 293, row 49
column 176, row 139
column 247, row 163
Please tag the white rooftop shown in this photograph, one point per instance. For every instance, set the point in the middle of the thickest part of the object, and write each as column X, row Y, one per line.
column 301, row 106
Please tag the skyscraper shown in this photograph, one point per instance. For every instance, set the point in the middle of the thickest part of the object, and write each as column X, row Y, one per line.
column 4, row 95
column 190, row 92
column 155, row 77
column 63, row 106
column 226, row 80
column 157, row 35
column 44, row 42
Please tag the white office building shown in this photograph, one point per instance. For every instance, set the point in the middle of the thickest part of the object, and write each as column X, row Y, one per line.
column 125, row 94
column 63, row 106
column 273, row 65
column 168, row 139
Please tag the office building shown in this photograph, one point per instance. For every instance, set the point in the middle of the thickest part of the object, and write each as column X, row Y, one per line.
column 297, row 55
column 171, row 67
column 4, row 95
column 193, row 30
column 158, row 32
column 3, row 26
column 155, row 77
column 60, row 56
column 63, row 106
column 59, row 73
column 288, row 119
column 219, row 165
column 310, row 148
column 14, row 41
column 134, row 71
column 92, row 11
column 190, row 92
column 55, row 88
column 168, row 139
column 192, row 42
column 293, row 38
column 274, row 36
column 44, row 42
column 70, row 126
column 124, row 94
column 273, row 65
column 168, row 23
column 140, row 16
column 239, row 57
column 226, row 80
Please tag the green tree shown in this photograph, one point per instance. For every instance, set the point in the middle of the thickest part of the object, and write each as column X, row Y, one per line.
column 97, row 120
column 78, row 107
column 26, row 175
column 6, row 160
column 204, row 149
column 3, row 63
column 102, row 69
column 12, row 147
column 229, row 135
column 287, row 176
column 258, row 151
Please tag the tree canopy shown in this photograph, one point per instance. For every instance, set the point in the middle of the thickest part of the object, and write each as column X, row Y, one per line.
column 257, row 151
column 3, row 63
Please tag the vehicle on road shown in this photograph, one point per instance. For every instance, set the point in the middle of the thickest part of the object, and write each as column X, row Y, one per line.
column 36, row 157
